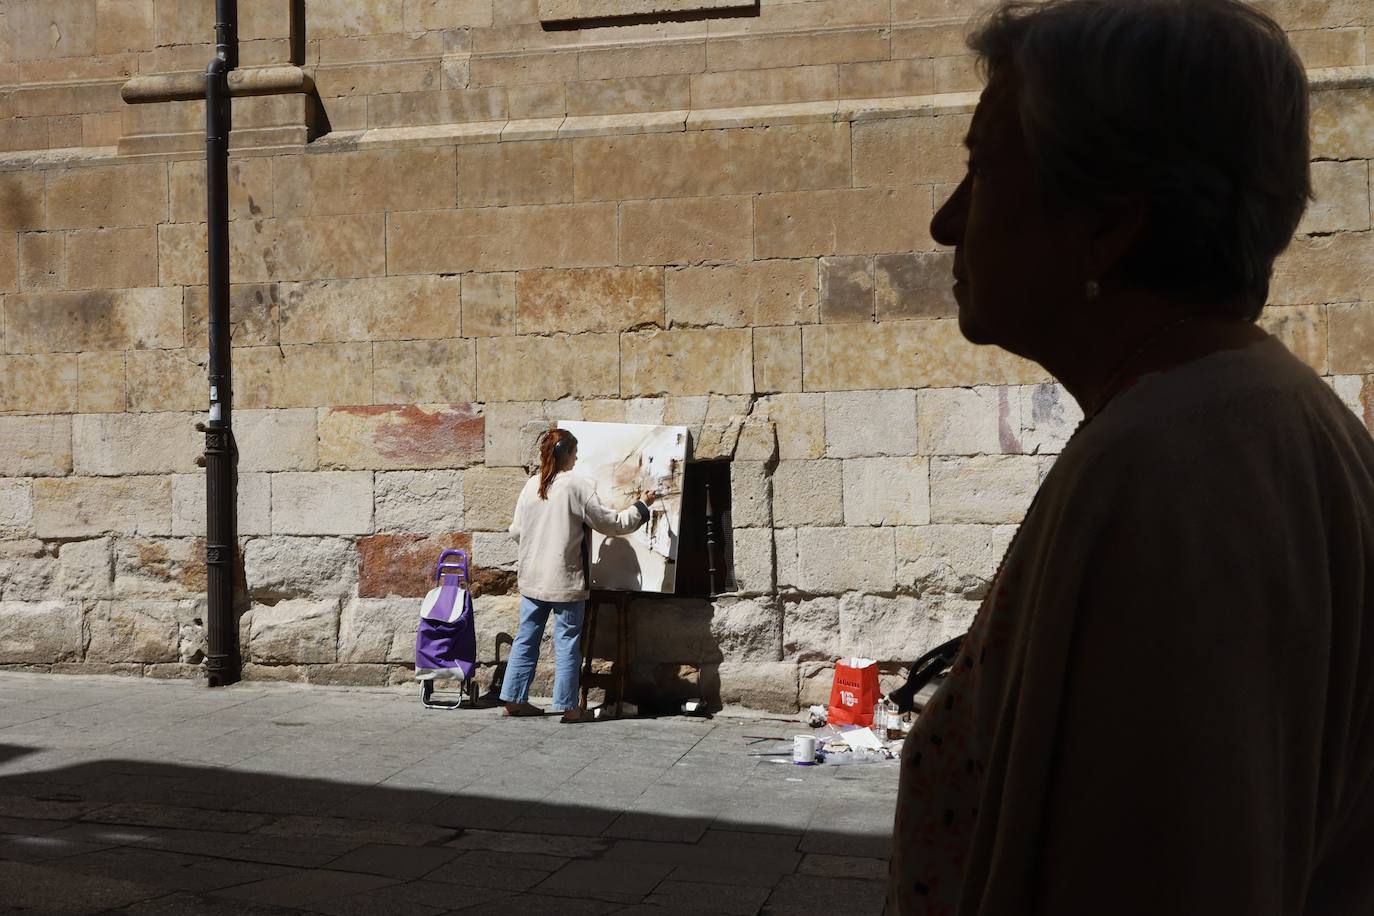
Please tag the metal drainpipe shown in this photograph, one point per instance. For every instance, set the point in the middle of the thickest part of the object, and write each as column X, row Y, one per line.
column 221, row 454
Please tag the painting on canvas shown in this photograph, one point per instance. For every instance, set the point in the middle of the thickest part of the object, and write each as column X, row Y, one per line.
column 624, row 459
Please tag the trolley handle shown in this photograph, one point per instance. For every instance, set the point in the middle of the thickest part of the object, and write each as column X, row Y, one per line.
column 458, row 567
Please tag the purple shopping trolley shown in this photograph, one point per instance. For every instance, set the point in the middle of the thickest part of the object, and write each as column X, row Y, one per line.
column 446, row 640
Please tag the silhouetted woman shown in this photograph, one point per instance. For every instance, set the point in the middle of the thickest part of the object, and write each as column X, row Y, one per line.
column 550, row 516
column 1165, row 704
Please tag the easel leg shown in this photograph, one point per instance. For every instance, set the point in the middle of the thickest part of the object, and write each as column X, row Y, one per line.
column 588, row 649
column 622, row 654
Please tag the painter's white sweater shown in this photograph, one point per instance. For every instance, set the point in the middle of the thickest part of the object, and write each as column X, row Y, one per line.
column 550, row 534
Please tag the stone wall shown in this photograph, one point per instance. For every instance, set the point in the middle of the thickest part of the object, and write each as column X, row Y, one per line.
column 716, row 219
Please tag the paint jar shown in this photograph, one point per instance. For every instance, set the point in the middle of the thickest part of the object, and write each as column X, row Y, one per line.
column 804, row 750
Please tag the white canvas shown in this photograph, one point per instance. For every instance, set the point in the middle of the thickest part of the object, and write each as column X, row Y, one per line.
column 625, row 459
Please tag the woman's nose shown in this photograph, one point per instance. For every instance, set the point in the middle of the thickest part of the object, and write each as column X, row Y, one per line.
column 947, row 227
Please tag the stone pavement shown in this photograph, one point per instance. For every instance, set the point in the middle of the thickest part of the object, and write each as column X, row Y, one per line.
column 145, row 797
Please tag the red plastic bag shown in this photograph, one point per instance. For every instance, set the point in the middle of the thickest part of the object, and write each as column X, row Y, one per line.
column 854, row 692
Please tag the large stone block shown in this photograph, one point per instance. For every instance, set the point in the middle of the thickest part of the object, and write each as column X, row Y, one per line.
column 967, row 421
column 72, row 507
column 1352, row 338
column 838, row 560
column 747, row 629
column 687, row 230
column 115, row 195
column 28, row 570
column 668, row 630
column 751, row 493
column 897, row 629
column 403, row 564
column 1340, row 198
column 743, row 295
column 322, row 502
column 811, row 629
column 294, row 632
column 135, row 443
column 758, row 685
column 365, row 182
column 1049, row 417
column 410, row 436
column 250, row 189
column 35, row 446
column 23, row 192
column 951, row 560
column 799, row 421
column 897, row 152
column 102, row 382
column 1333, row 268
column 584, row 365
column 370, row 308
column 42, row 261
column 429, row 502
column 489, row 496
column 687, row 362
column 16, row 505
column 886, row 491
column 642, row 60
column 39, row 632
column 254, row 315
column 687, row 163
column 886, row 78
column 852, row 221
column 412, row 109
column 85, row 569
column 768, row 51
column 269, row 250
column 774, row 86
column 1343, row 123
column 777, row 359
column 915, row 284
column 501, row 238
column 424, row 371
column 665, row 92
column 276, row 440
column 990, row 489
column 98, row 319
column 488, row 304
column 514, row 174
column 753, row 561
column 159, row 568
column 865, row 424
column 495, row 550
column 43, row 383
column 310, row 375
column 846, row 288
column 374, row 630
column 497, row 619
column 112, row 258
column 808, row 494
column 189, row 504
column 1303, row 330
column 597, row 299
column 905, row 354
column 278, row 568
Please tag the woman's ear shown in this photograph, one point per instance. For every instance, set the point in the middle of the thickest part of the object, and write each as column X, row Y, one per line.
column 1116, row 227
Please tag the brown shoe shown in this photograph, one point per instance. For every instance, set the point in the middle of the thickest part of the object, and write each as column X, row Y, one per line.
column 570, row 716
column 522, row 709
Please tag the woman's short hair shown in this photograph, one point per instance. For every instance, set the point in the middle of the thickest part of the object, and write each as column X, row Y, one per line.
column 1201, row 105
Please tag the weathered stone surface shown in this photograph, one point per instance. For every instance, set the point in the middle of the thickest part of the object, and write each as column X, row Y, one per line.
column 989, row 489
column 277, row 568
column 967, row 421
column 851, row 221
column 799, row 420
column 269, row 250
column 39, row 632
column 364, row 182
column 885, row 78
column 135, row 443
column 403, row 564
column 951, row 560
column 303, row 376
column 489, row 496
column 905, row 354
column 811, row 629
column 294, row 632
column 254, row 504
column 488, row 304
column 1352, row 338
column 72, row 507
column 42, row 260
column 45, row 383
column 159, row 568
column 370, row 308
column 28, row 570
column 254, row 311
column 144, row 631
column 322, row 502
column 250, row 189
column 777, row 359
column 886, row 491
column 276, row 440
column 429, row 502
column 498, row 621
column 687, row 230
column 808, row 494
column 424, row 371
column 1303, row 329
column 758, row 685
column 1333, row 268
column 495, row 550
column 16, row 505
column 687, row 362
column 750, row 629
column 99, row 319
column 411, row 436
column 514, row 174
column 896, row 152
column 915, row 284
column 411, row 109
column 378, row 630
column 751, row 494
column 101, row 383
column 584, row 365
column 501, row 238
column 1049, row 416
column 168, row 379
column 505, row 424
column 35, row 446
column 1343, row 123
column 685, row 164
column 742, row 295
column 896, row 629
column 774, row 86
column 838, row 560
column 600, row 299
column 112, row 258
column 753, row 561
column 864, row 424
column 1341, row 198
column 116, row 195
column 86, row 568
column 846, row 289
column 1322, row 48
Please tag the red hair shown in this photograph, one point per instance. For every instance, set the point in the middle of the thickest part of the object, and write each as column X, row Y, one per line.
column 554, row 448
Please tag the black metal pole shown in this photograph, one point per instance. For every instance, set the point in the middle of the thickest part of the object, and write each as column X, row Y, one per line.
column 221, row 457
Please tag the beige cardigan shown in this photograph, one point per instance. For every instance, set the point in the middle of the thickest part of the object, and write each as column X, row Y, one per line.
column 549, row 533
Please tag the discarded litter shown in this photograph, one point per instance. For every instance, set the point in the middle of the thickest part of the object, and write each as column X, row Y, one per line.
column 814, row 716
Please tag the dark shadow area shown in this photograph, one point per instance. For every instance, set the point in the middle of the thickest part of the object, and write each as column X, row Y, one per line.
column 746, row 9
column 10, row 752
column 136, row 837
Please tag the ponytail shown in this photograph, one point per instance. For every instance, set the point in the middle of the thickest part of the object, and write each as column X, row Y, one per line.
column 554, row 448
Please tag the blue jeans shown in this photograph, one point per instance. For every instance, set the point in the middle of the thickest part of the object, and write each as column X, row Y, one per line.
column 524, row 652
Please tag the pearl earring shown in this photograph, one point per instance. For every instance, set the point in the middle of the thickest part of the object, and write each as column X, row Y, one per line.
column 1092, row 290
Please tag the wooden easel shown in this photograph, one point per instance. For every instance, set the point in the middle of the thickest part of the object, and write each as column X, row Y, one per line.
column 618, row 680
